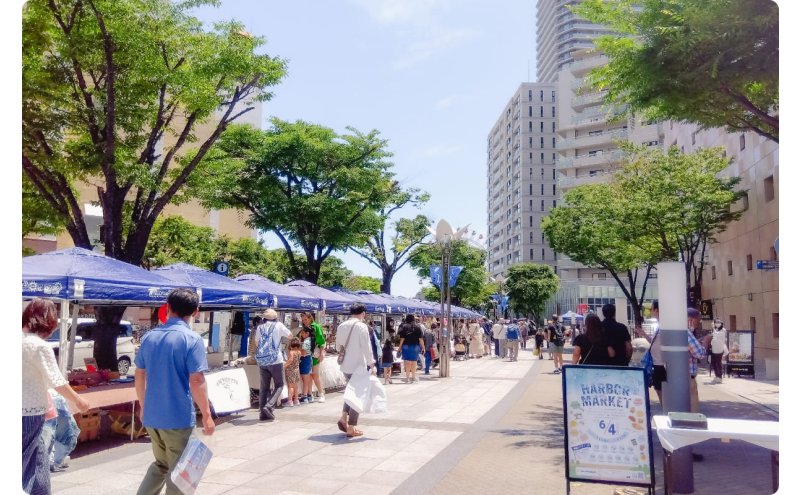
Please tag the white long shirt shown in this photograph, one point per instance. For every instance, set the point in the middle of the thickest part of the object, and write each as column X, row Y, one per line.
column 359, row 351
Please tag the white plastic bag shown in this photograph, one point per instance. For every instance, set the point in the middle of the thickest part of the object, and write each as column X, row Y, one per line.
column 365, row 393
column 191, row 466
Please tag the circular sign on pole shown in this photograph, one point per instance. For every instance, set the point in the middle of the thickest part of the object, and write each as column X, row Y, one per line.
column 221, row 267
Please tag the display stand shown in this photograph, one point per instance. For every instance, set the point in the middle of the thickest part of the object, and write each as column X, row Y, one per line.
column 740, row 360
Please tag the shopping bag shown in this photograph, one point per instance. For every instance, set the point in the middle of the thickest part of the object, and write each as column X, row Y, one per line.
column 193, row 462
column 355, row 394
column 376, row 397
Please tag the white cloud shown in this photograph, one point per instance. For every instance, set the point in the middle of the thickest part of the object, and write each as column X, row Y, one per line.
column 443, row 41
column 440, row 150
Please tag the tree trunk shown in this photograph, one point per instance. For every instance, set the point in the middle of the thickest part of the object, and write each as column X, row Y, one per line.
column 105, row 336
column 386, row 286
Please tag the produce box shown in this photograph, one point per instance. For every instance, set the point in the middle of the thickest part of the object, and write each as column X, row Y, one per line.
column 89, row 424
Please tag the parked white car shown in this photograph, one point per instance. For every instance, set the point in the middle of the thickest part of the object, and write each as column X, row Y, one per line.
column 84, row 344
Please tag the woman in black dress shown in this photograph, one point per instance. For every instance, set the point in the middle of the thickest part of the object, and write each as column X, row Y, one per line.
column 591, row 347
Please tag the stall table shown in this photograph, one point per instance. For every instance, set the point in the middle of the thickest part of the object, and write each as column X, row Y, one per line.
column 112, row 394
column 761, row 433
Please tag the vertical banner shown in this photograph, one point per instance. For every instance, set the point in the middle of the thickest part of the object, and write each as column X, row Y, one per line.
column 607, row 436
column 436, row 275
column 453, row 274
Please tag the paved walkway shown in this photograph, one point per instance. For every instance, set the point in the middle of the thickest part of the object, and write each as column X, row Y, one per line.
column 493, row 427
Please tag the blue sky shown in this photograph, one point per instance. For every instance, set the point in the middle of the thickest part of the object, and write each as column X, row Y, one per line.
column 432, row 76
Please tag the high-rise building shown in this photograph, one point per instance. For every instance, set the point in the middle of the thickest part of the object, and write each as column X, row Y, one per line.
column 521, row 177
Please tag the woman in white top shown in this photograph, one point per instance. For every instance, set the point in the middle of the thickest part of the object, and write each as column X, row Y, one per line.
column 719, row 347
column 39, row 372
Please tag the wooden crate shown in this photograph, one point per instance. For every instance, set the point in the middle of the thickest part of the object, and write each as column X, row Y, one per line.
column 121, row 424
column 89, row 424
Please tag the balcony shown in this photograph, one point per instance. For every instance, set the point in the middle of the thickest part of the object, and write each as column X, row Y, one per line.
column 598, row 178
column 604, row 158
column 601, row 138
column 583, row 101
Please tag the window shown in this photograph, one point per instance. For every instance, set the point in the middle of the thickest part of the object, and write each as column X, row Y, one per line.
column 553, row 95
column 531, row 220
column 554, row 142
column 541, row 142
column 741, row 142
column 753, row 323
column 543, row 169
column 554, row 127
column 530, row 207
column 749, row 262
column 542, row 205
column 542, row 253
column 732, row 321
column 541, row 126
column 541, row 192
column 730, row 267
column 530, row 126
column 554, row 203
column 745, row 201
column 553, row 111
column 541, row 111
column 599, row 276
column 542, row 160
column 554, row 187
column 713, row 272
column 775, row 321
column 530, row 95
column 530, row 111
column 769, row 189
column 541, row 95
column 530, row 142
column 530, row 189
column 531, row 255
column 554, row 174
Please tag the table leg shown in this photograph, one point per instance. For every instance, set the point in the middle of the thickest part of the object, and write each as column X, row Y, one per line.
column 774, row 458
column 667, row 471
column 133, row 417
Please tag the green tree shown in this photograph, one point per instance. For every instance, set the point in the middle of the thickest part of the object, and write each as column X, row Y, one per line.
column 529, row 286
column 361, row 282
column 662, row 206
column 472, row 288
column 710, row 62
column 333, row 271
column 113, row 92
column 38, row 217
column 315, row 189
column 174, row 240
column 408, row 233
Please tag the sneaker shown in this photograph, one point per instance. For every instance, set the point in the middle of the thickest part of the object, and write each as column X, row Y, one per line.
column 289, row 404
column 321, row 398
column 297, row 403
column 303, row 400
column 556, row 371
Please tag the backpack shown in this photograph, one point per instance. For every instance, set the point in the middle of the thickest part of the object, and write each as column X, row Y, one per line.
column 267, row 352
column 647, row 363
column 557, row 335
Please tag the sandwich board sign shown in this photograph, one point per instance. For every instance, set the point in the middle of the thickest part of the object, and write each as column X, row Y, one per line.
column 607, row 437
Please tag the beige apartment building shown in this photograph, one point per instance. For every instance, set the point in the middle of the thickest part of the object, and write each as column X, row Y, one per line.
column 521, row 178
column 742, row 295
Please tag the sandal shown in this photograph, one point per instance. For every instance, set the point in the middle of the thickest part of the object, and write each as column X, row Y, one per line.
column 342, row 426
column 355, row 433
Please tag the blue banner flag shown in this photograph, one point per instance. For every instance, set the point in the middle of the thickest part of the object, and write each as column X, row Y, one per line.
column 436, row 275
column 504, row 302
column 455, row 271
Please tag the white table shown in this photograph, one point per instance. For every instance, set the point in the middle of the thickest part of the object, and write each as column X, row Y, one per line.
column 761, row 433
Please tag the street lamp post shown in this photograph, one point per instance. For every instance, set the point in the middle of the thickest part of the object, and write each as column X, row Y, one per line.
column 444, row 236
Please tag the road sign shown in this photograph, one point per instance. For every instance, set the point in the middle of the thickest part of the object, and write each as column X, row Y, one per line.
column 221, row 267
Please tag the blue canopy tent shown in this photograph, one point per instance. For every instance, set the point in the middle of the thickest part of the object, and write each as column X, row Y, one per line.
column 334, row 302
column 79, row 275
column 569, row 315
column 216, row 291
column 283, row 297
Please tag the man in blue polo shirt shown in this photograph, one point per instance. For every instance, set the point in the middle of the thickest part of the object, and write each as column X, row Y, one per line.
column 169, row 374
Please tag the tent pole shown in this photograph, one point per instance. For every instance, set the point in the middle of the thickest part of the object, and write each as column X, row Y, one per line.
column 62, row 338
column 72, row 336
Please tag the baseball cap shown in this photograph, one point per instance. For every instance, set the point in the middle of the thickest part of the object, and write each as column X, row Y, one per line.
column 693, row 313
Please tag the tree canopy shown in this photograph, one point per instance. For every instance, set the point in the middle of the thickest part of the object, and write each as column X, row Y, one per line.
column 114, row 94
column 314, row 188
column 710, row 62
column 662, row 206
column 407, row 234
column 530, row 286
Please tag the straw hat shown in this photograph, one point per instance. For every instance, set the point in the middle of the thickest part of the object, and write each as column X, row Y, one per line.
column 271, row 314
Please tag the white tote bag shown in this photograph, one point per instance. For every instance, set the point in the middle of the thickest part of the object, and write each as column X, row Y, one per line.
column 365, row 393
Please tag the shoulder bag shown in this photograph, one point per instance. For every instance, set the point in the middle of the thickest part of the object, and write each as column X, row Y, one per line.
column 343, row 348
